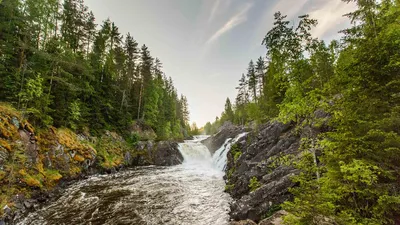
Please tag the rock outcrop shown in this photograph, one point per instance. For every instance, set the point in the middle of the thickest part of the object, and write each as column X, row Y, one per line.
column 163, row 153
column 228, row 130
column 258, row 173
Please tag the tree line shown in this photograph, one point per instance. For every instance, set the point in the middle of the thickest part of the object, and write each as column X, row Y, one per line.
column 350, row 169
column 60, row 68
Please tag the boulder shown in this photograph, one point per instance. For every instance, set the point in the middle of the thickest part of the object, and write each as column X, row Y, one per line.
column 167, row 154
column 228, row 130
column 264, row 160
column 163, row 153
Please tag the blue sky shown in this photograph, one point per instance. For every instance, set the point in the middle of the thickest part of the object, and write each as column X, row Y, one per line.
column 206, row 45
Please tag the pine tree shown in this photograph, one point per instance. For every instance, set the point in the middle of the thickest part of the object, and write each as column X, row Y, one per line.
column 252, row 80
column 229, row 115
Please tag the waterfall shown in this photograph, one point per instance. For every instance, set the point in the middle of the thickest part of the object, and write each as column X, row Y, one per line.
column 220, row 157
column 194, row 152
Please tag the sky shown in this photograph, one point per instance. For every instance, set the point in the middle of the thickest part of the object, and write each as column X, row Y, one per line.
column 205, row 45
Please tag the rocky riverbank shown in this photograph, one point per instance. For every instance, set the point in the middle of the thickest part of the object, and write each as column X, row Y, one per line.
column 258, row 173
column 38, row 164
column 258, row 170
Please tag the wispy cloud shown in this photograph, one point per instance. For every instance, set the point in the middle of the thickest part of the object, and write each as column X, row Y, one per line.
column 330, row 16
column 214, row 10
column 291, row 8
column 237, row 19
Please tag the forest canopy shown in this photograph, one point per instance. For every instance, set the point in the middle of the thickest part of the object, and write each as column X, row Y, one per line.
column 60, row 68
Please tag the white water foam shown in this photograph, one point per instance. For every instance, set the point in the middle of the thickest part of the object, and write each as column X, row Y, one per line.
column 194, row 152
column 220, row 156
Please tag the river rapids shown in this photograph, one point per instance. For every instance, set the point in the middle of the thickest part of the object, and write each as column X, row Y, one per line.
column 190, row 193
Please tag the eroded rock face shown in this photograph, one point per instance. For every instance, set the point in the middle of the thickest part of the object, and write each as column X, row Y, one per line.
column 167, row 154
column 163, row 153
column 228, row 130
column 263, row 159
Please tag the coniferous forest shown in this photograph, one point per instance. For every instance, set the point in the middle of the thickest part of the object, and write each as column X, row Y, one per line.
column 79, row 98
column 350, row 171
column 60, row 68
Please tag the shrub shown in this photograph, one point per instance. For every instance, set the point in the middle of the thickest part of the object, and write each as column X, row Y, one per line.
column 229, row 187
column 254, row 184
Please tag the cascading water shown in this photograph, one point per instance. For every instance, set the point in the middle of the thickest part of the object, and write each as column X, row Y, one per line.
column 194, row 151
column 191, row 193
column 220, row 156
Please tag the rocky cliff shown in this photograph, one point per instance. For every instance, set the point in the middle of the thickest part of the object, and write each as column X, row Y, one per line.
column 258, row 173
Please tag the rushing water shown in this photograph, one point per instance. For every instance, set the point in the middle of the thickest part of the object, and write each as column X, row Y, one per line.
column 191, row 193
column 220, row 156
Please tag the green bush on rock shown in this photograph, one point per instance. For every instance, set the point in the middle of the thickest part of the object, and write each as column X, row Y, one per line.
column 254, row 184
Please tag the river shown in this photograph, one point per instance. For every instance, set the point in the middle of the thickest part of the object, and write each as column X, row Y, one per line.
column 190, row 193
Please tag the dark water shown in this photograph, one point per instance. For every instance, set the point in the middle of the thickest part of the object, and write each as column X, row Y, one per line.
column 191, row 193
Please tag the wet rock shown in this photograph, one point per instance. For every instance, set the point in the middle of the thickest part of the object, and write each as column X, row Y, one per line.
column 263, row 157
column 128, row 158
column 243, row 222
column 228, row 130
column 28, row 204
column 7, row 210
column 36, row 206
column 167, row 154
column 144, row 145
column 163, row 153
column 189, row 138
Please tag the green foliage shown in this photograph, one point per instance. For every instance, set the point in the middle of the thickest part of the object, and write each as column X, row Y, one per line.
column 132, row 139
column 344, row 99
column 236, row 156
column 271, row 210
column 254, row 184
column 280, row 160
column 229, row 187
column 236, row 152
column 230, row 172
column 60, row 69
